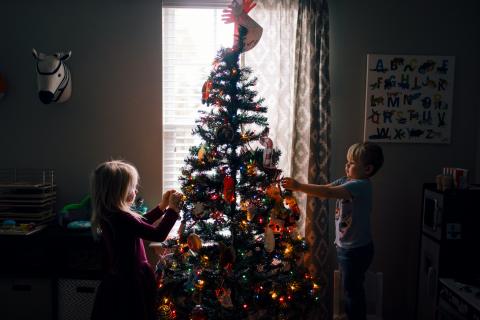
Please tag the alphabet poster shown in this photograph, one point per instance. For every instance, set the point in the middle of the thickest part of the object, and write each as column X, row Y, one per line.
column 409, row 98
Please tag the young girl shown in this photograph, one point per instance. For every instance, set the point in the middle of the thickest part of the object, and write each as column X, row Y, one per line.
column 128, row 289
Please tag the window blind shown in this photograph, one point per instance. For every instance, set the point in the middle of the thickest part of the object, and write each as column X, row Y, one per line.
column 210, row 4
column 191, row 38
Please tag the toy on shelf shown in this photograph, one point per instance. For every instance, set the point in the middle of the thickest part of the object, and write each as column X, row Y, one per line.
column 76, row 216
column 27, row 198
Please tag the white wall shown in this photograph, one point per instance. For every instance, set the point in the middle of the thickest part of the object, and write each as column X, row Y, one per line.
column 115, row 108
column 403, row 27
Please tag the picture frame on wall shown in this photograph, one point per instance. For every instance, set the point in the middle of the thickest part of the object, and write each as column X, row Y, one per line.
column 409, row 98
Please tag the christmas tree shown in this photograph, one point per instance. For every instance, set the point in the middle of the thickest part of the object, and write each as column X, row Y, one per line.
column 238, row 254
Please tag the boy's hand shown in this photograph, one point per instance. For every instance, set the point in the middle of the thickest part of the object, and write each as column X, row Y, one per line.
column 290, row 184
column 165, row 199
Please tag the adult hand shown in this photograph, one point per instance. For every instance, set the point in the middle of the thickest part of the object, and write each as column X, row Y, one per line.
column 165, row 199
column 290, row 184
column 175, row 201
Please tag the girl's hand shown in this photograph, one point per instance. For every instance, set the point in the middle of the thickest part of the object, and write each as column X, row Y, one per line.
column 165, row 199
column 290, row 184
column 175, row 201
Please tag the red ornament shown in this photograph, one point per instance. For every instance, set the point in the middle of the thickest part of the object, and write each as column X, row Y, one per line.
column 291, row 202
column 228, row 189
column 207, row 86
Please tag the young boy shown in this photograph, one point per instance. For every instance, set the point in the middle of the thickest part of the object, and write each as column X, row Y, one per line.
column 352, row 219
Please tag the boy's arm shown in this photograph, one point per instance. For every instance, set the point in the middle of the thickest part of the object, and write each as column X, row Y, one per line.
column 325, row 191
column 329, row 191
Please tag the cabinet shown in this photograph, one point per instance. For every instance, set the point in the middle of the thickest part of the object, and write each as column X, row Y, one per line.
column 52, row 274
column 449, row 236
column 21, row 298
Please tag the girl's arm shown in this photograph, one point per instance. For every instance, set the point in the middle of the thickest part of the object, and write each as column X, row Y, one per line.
column 159, row 233
column 155, row 214
column 147, row 231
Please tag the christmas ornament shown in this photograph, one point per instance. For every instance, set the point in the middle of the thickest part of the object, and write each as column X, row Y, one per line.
column 200, row 284
column 217, row 215
column 251, row 169
column 268, row 151
column 274, row 193
column 276, row 225
column 269, row 240
column 291, row 203
column 198, row 313
column 201, row 153
column 194, row 242
column 223, row 296
column 225, row 133
column 166, row 310
column 207, row 86
column 228, row 189
column 200, row 210
column 244, row 205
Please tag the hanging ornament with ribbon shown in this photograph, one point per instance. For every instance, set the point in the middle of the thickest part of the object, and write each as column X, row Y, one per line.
column 269, row 244
column 224, row 297
column 268, row 151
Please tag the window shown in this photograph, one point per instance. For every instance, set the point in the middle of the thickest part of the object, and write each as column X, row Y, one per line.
column 191, row 38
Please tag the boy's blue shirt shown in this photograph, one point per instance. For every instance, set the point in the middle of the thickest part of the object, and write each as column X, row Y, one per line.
column 352, row 217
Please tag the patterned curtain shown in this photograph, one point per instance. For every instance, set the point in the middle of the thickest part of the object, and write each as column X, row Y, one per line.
column 311, row 135
column 291, row 63
column 272, row 62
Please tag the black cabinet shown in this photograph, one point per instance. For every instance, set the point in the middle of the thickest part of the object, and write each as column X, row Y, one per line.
column 51, row 274
column 449, row 242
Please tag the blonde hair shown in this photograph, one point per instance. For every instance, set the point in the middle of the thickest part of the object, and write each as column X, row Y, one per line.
column 367, row 153
column 112, row 183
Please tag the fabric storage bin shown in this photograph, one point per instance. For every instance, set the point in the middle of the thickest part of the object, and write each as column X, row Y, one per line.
column 75, row 298
column 25, row 298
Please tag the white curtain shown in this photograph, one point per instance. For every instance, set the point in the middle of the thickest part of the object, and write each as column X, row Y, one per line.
column 291, row 62
column 273, row 62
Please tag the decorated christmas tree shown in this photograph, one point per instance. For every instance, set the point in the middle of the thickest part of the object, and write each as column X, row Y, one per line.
column 238, row 254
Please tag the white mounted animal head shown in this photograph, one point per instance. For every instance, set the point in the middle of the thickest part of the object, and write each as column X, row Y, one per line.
column 53, row 77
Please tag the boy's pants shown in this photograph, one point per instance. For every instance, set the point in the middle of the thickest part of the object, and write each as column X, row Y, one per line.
column 353, row 264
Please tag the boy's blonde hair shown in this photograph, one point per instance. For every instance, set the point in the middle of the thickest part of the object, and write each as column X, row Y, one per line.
column 367, row 153
column 112, row 182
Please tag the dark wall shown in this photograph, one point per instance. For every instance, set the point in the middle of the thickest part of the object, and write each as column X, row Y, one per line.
column 416, row 28
column 115, row 108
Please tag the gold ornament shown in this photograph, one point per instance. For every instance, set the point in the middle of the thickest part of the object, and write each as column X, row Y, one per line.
column 166, row 310
column 194, row 242
column 251, row 169
column 201, row 153
column 273, row 192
